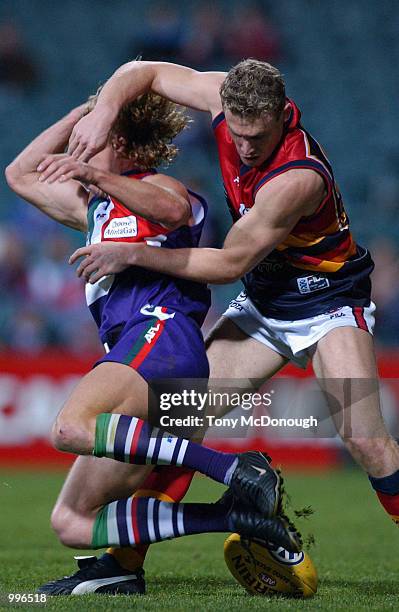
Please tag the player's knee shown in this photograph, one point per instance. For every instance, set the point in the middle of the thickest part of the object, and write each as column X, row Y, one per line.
column 63, row 522
column 59, row 518
column 62, row 435
column 365, row 450
column 70, row 528
column 70, row 436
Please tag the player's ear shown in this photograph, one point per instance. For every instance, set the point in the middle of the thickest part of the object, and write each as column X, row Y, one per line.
column 287, row 111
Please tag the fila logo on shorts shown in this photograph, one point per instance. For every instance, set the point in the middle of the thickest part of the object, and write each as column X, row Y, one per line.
column 293, row 338
column 308, row 284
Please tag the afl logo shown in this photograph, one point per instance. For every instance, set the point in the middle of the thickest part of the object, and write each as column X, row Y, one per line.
column 283, row 556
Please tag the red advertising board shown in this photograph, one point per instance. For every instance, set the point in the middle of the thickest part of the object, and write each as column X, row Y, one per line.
column 33, row 388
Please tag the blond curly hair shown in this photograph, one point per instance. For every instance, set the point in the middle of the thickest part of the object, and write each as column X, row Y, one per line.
column 145, row 128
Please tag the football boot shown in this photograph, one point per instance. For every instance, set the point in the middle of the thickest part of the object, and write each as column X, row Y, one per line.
column 255, row 482
column 103, row 576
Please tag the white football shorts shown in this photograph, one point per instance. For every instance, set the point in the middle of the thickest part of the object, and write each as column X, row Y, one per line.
column 293, row 339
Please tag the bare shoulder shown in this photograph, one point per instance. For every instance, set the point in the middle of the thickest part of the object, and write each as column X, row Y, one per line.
column 299, row 187
column 169, row 183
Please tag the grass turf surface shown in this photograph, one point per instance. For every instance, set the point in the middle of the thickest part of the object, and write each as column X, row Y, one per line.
column 355, row 552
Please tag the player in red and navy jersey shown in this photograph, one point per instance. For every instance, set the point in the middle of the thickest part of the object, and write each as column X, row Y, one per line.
column 307, row 281
column 149, row 323
column 319, row 243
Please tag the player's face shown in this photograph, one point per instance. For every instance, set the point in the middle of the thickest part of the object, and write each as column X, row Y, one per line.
column 255, row 139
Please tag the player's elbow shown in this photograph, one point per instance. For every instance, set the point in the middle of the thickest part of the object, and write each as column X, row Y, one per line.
column 178, row 214
column 232, row 268
column 231, row 277
column 130, row 69
column 13, row 176
column 231, row 272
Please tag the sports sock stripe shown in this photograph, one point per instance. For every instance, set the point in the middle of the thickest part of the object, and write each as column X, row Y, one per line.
column 174, row 520
column 129, row 438
column 168, row 444
column 151, row 445
column 112, row 425
column 180, row 520
column 143, row 442
column 135, row 526
column 112, row 525
column 165, row 521
column 150, row 519
column 142, row 505
column 135, row 440
column 129, row 520
column 120, row 437
column 154, row 458
column 121, row 519
column 182, row 452
column 176, row 451
column 156, row 520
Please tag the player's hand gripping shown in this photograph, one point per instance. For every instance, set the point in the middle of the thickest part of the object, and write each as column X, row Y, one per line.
column 103, row 259
column 90, row 134
column 62, row 167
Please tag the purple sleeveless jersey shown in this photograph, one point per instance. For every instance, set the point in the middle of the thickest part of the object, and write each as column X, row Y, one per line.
column 146, row 320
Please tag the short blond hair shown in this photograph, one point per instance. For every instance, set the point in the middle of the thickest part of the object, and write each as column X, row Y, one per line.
column 253, row 88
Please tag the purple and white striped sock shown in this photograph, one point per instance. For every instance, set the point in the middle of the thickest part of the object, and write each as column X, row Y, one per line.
column 133, row 521
column 133, row 440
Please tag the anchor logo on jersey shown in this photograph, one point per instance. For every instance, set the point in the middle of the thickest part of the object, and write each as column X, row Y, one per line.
column 156, row 311
column 243, row 209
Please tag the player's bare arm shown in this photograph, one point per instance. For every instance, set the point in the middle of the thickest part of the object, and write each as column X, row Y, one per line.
column 158, row 198
column 65, row 203
column 278, row 207
column 198, row 90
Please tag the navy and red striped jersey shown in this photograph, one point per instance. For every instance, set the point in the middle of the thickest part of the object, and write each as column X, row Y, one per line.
column 320, row 249
column 115, row 299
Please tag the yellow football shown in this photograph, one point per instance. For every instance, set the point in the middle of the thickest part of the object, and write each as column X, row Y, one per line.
column 263, row 569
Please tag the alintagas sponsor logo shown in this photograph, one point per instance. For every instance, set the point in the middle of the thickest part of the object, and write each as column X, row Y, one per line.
column 121, row 227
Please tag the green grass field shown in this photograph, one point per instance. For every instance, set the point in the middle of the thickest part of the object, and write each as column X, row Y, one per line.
column 355, row 553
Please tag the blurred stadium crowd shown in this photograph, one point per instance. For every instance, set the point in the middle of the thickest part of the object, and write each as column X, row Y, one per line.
column 340, row 62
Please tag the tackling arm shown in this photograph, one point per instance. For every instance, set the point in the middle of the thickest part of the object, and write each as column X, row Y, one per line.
column 67, row 203
column 198, row 90
column 158, row 198
column 278, row 207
